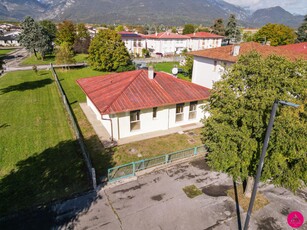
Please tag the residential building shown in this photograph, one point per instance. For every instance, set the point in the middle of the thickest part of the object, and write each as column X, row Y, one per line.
column 204, row 40
column 297, row 47
column 167, row 43
column 134, row 42
column 209, row 65
column 143, row 101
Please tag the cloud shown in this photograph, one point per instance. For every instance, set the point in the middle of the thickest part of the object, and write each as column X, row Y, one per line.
column 293, row 6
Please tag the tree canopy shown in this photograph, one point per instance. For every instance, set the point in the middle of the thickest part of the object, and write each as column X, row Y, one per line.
column 107, row 52
column 240, row 106
column 188, row 29
column 218, row 27
column 35, row 37
column 82, row 39
column 232, row 32
column 50, row 27
column 66, row 33
column 276, row 34
column 302, row 31
column 64, row 54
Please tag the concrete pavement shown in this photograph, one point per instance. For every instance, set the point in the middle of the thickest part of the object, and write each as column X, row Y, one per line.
column 156, row 201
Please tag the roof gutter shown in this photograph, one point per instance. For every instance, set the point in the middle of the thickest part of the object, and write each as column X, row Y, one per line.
column 109, row 119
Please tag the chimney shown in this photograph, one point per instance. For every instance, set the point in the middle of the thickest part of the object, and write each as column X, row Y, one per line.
column 151, row 72
column 236, row 50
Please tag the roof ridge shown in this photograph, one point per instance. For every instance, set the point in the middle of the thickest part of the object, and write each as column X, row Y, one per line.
column 123, row 90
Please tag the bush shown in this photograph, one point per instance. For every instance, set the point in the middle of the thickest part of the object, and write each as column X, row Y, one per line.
column 125, row 68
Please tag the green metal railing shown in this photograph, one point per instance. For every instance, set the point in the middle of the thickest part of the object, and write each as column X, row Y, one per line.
column 128, row 170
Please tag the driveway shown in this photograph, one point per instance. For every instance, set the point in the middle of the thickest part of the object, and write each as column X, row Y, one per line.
column 156, row 201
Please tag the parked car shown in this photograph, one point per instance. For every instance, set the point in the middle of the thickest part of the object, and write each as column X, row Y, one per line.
column 141, row 65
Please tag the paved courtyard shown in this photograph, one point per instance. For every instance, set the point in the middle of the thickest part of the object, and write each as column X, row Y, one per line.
column 156, row 201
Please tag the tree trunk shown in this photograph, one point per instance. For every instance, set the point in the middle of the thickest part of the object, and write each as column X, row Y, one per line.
column 35, row 53
column 249, row 187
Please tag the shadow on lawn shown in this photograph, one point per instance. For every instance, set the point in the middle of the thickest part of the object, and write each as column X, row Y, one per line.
column 41, row 182
column 30, row 85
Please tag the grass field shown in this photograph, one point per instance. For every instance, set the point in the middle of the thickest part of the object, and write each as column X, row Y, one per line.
column 101, row 158
column 122, row 154
column 5, row 51
column 39, row 156
column 167, row 67
column 49, row 59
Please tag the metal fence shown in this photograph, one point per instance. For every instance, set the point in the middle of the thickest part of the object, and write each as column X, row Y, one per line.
column 91, row 170
column 128, row 170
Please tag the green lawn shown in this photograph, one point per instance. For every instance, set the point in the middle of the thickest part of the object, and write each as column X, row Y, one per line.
column 40, row 159
column 101, row 158
column 167, row 67
column 49, row 59
column 5, row 51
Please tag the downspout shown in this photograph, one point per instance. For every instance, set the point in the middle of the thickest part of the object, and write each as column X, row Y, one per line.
column 109, row 119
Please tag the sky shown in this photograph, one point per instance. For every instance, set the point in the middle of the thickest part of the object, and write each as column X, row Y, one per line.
column 293, row 6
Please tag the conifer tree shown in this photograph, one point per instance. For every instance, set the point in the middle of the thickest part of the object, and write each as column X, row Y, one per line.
column 232, row 32
column 302, row 31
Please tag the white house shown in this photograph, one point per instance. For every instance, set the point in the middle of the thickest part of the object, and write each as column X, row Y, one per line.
column 142, row 101
column 10, row 38
column 204, row 40
column 134, row 42
column 166, row 43
column 209, row 65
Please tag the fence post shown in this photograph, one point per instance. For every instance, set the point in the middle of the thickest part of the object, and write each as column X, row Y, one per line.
column 94, row 178
column 166, row 158
column 195, row 151
column 133, row 166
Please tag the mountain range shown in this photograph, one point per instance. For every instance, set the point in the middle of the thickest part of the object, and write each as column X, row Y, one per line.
column 167, row 12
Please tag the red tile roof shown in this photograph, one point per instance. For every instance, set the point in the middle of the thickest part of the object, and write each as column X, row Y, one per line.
column 133, row 90
column 203, row 35
column 298, row 47
column 224, row 53
column 166, row 35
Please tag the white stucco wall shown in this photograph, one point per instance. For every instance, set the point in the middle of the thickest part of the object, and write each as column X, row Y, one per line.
column 205, row 73
column 204, row 43
column 166, row 118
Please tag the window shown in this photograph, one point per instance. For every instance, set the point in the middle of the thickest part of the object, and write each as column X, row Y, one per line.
column 179, row 112
column 193, row 110
column 135, row 123
column 215, row 64
column 154, row 112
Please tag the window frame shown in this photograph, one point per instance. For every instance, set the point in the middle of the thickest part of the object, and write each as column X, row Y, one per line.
column 135, row 122
column 179, row 112
column 193, row 110
column 154, row 112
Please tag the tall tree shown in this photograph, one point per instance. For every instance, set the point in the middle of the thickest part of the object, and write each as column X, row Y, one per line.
column 107, row 52
column 66, row 33
column 276, row 34
column 50, row 27
column 34, row 37
column 188, row 63
column 240, row 106
column 64, row 54
column 82, row 39
column 302, row 31
column 188, row 29
column 232, row 32
column 218, row 27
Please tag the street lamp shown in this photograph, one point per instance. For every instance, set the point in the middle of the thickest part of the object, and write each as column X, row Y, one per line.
column 264, row 148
